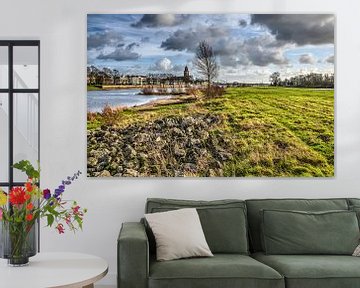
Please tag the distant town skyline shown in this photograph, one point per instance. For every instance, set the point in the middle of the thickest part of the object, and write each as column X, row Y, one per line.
column 249, row 47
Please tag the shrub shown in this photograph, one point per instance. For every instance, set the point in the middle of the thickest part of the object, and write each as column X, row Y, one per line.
column 214, row 91
column 147, row 91
column 193, row 91
column 111, row 115
column 91, row 116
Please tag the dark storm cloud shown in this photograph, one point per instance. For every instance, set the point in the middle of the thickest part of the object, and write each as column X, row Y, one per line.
column 132, row 45
column 232, row 52
column 301, row 29
column 306, row 59
column 121, row 53
column 161, row 20
column 261, row 51
column 242, row 23
column 330, row 59
column 257, row 51
column 99, row 40
column 187, row 40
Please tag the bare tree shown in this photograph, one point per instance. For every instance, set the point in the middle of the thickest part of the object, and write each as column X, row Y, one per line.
column 115, row 75
column 275, row 79
column 205, row 62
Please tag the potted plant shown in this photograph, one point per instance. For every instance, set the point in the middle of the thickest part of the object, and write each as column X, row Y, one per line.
column 21, row 208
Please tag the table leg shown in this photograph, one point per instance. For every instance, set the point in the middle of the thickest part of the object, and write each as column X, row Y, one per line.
column 89, row 286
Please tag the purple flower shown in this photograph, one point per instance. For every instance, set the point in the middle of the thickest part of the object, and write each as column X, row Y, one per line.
column 58, row 192
column 68, row 181
column 46, row 194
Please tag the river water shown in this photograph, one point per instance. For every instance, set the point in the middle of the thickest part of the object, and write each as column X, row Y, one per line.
column 97, row 100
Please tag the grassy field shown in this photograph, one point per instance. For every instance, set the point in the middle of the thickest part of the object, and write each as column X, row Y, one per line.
column 270, row 131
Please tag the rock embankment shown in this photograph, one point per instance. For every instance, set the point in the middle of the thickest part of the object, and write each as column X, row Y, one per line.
column 173, row 146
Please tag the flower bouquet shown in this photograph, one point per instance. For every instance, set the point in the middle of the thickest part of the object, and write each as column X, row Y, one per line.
column 21, row 208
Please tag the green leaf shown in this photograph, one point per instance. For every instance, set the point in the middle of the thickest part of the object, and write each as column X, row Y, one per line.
column 79, row 221
column 53, row 211
column 26, row 167
column 50, row 219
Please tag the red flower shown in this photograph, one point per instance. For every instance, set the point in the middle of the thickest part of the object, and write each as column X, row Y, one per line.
column 29, row 206
column 27, row 196
column 29, row 187
column 29, row 217
column 68, row 219
column 17, row 196
column 60, row 228
column 75, row 209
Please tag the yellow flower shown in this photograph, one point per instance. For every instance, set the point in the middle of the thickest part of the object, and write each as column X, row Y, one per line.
column 3, row 198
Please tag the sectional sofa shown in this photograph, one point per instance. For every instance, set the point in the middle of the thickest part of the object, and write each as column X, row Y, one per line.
column 262, row 243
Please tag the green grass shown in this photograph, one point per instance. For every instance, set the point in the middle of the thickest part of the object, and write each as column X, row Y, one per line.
column 93, row 88
column 274, row 131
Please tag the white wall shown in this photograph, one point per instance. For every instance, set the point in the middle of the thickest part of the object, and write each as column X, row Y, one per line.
column 61, row 27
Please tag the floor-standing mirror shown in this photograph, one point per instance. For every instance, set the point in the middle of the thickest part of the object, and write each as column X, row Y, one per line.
column 19, row 108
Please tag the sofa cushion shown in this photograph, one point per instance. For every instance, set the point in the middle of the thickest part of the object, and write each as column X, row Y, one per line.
column 255, row 206
column 313, row 271
column 222, row 270
column 223, row 221
column 178, row 234
column 297, row 232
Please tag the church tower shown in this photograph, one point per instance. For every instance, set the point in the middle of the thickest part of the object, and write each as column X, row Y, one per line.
column 186, row 75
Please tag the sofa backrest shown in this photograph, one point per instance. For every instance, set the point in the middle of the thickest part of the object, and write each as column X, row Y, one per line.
column 256, row 205
column 353, row 202
column 223, row 221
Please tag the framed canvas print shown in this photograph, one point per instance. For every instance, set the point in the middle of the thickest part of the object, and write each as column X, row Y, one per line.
column 210, row 95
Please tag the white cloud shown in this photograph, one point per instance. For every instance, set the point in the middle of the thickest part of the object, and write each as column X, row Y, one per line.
column 164, row 65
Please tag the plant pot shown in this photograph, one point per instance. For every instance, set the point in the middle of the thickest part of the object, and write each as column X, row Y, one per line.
column 18, row 242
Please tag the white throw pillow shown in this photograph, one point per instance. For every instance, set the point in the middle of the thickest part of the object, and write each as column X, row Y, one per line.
column 357, row 251
column 178, row 234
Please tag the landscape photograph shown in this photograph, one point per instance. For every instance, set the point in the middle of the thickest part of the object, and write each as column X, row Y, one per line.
column 210, row 95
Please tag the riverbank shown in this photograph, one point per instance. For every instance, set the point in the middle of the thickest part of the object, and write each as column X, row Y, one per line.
column 97, row 100
column 144, row 107
column 119, row 87
column 165, row 91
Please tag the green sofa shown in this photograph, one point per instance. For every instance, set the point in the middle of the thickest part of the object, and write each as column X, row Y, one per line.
column 233, row 230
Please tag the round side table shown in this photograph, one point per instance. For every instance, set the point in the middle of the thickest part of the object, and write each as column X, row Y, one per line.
column 54, row 270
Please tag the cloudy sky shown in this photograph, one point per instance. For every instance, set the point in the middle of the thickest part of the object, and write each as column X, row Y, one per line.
column 248, row 47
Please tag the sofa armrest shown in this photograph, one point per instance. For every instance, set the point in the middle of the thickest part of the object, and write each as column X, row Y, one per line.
column 133, row 256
